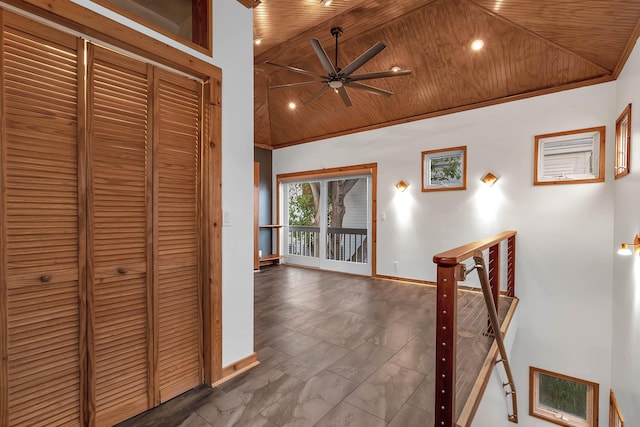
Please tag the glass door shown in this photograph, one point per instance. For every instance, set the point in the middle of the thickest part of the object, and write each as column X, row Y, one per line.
column 329, row 223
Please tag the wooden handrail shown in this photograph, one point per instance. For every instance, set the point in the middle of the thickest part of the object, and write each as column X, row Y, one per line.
column 451, row 269
column 461, row 253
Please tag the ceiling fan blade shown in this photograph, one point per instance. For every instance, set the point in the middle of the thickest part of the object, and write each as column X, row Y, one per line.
column 361, row 86
column 379, row 75
column 345, row 96
column 362, row 59
column 297, row 70
column 324, row 58
column 316, row 96
column 297, row 84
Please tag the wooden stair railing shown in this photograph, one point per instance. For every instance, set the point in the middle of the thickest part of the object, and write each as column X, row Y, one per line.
column 450, row 270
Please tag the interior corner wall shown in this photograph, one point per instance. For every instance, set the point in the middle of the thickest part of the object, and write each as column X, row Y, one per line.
column 625, row 371
column 265, row 190
column 233, row 53
column 565, row 232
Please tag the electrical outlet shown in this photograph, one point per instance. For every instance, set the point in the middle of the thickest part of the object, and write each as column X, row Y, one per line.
column 395, row 267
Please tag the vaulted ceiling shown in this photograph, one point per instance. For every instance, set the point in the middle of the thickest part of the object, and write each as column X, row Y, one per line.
column 531, row 47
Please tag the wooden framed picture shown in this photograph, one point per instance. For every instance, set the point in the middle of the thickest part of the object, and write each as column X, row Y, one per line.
column 623, row 143
column 444, row 169
column 562, row 400
column 571, row 157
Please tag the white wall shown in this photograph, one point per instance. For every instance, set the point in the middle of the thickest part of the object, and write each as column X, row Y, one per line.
column 495, row 407
column 565, row 232
column 625, row 373
column 233, row 53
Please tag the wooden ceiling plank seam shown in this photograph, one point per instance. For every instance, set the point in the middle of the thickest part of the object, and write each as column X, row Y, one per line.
column 627, row 50
column 302, row 39
column 536, row 35
column 458, row 109
column 273, row 22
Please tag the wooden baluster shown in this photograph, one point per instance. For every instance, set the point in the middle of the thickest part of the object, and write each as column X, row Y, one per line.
column 446, row 330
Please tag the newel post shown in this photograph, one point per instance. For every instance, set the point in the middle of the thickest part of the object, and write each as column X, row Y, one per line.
column 446, row 331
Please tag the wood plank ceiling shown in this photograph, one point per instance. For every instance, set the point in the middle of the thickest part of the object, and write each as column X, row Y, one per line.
column 531, row 47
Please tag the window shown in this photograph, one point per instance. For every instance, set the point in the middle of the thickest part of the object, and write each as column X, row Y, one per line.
column 327, row 215
column 182, row 20
column 570, row 157
column 562, row 400
column 623, row 143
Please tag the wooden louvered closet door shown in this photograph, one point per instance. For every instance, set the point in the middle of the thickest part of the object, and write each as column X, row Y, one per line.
column 41, row 249
column 177, row 270
column 119, row 236
column 100, row 259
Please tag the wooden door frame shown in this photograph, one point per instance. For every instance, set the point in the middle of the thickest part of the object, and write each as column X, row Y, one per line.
column 101, row 28
column 341, row 171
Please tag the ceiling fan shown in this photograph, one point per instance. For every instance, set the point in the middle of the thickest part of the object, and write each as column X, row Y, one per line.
column 338, row 78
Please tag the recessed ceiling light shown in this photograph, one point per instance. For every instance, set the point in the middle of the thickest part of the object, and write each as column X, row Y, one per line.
column 477, row 44
column 326, row 2
column 257, row 41
column 292, row 105
column 395, row 69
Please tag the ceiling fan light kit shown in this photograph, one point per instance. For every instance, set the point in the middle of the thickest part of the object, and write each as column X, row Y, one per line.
column 338, row 78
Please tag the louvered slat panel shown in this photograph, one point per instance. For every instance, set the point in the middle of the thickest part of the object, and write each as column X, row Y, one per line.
column 118, row 218
column 179, row 330
column 40, row 229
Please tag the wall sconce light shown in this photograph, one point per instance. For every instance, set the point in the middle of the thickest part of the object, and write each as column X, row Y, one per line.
column 489, row 179
column 625, row 247
column 401, row 185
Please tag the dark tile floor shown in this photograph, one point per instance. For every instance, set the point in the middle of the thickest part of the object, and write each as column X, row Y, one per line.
column 336, row 350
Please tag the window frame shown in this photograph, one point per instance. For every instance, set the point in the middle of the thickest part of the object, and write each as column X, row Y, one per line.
column 597, row 133
column 623, row 143
column 201, row 8
column 536, row 409
column 431, row 156
column 615, row 414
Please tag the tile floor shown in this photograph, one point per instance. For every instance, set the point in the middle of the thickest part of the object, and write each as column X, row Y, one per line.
column 335, row 350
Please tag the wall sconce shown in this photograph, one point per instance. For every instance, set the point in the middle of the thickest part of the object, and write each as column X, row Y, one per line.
column 401, row 185
column 489, row 179
column 625, row 250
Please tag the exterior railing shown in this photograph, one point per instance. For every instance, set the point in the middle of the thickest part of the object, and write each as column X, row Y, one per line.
column 304, row 240
column 343, row 244
column 347, row 244
column 451, row 269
